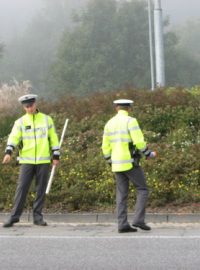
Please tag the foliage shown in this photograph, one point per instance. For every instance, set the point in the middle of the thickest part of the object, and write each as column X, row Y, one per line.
column 106, row 50
column 30, row 54
column 182, row 68
column 109, row 49
column 79, row 49
column 170, row 120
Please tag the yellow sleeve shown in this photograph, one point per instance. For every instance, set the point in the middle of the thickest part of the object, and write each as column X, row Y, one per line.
column 53, row 137
column 16, row 134
column 106, row 147
column 136, row 134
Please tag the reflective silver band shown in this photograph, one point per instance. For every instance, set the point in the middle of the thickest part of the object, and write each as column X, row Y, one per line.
column 55, row 148
column 134, row 128
column 9, row 147
column 120, row 140
column 33, row 159
column 122, row 161
column 33, row 137
column 121, row 132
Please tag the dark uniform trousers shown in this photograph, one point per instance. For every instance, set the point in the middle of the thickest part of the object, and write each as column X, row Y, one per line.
column 136, row 176
column 27, row 173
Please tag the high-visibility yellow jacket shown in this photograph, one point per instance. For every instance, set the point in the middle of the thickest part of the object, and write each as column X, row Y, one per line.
column 36, row 135
column 119, row 132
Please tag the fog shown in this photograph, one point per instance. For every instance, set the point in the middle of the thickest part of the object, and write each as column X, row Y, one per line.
column 181, row 11
column 16, row 14
column 31, row 33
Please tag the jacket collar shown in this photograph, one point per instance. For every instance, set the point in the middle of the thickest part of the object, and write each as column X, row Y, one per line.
column 122, row 112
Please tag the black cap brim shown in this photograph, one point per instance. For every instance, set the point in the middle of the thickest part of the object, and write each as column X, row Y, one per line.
column 29, row 101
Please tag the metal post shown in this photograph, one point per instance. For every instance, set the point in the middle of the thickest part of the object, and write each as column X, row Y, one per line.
column 151, row 46
column 159, row 46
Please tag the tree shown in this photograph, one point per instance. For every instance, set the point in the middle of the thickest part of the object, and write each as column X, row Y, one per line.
column 182, row 67
column 29, row 55
column 107, row 50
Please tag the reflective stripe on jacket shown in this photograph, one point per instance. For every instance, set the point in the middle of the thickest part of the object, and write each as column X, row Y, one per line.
column 37, row 137
column 118, row 133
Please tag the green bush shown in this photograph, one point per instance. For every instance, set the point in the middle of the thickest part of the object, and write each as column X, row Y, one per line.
column 170, row 120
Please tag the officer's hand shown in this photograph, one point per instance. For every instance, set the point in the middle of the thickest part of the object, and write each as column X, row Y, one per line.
column 6, row 159
column 55, row 162
column 152, row 154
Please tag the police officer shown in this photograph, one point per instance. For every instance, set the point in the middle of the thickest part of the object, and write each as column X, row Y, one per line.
column 36, row 135
column 122, row 145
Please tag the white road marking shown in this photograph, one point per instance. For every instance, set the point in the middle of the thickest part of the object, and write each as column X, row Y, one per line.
column 100, row 237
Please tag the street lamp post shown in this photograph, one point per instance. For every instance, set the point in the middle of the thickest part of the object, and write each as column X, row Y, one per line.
column 151, row 46
column 159, row 46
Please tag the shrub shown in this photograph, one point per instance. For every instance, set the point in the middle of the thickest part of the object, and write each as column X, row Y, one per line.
column 170, row 120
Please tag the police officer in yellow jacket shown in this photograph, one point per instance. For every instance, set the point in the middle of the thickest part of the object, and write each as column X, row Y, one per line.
column 123, row 143
column 36, row 135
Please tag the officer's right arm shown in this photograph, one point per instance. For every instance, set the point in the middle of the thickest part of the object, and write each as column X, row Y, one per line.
column 106, row 147
column 13, row 140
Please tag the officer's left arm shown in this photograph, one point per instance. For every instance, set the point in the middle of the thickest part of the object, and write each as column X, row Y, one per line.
column 136, row 134
column 138, row 138
column 53, row 139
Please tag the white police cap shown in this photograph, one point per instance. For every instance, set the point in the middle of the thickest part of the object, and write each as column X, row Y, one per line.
column 27, row 98
column 123, row 102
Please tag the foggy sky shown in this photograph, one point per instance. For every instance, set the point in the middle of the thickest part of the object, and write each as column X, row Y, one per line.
column 15, row 14
column 181, row 11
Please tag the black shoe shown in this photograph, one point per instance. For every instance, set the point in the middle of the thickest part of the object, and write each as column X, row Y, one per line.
column 10, row 223
column 142, row 226
column 40, row 222
column 127, row 229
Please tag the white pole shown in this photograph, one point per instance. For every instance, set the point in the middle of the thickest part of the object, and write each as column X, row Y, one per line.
column 54, row 167
column 159, row 46
column 151, row 46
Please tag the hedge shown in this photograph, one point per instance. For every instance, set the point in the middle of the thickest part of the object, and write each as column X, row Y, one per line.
column 170, row 120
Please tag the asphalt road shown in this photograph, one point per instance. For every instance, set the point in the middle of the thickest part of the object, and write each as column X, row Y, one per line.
column 99, row 246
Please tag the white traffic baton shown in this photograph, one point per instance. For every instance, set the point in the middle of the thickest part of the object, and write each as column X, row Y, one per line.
column 54, row 167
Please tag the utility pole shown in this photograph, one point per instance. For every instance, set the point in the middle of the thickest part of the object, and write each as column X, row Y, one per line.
column 159, row 46
column 151, row 46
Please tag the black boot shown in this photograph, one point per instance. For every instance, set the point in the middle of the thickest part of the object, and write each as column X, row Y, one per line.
column 127, row 229
column 40, row 222
column 142, row 226
column 10, row 222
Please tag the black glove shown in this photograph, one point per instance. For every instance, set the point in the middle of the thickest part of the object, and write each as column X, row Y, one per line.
column 109, row 161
